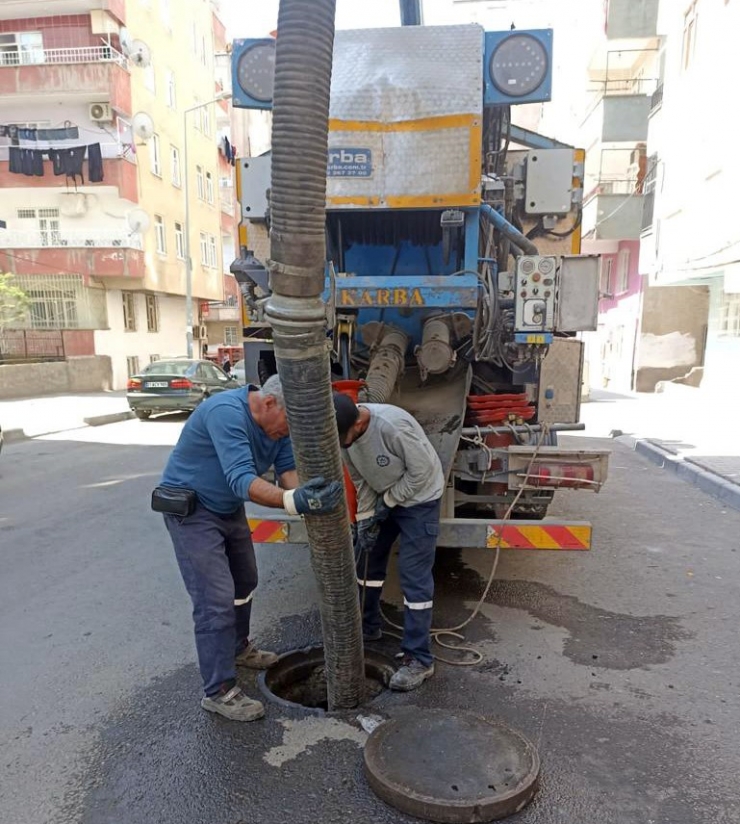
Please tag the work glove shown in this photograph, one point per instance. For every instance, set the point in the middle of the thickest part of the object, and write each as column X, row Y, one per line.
column 316, row 497
column 366, row 536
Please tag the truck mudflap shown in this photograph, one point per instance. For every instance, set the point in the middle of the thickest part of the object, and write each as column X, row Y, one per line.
column 275, row 526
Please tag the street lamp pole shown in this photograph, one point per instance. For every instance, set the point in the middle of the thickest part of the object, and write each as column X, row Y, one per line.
column 188, row 259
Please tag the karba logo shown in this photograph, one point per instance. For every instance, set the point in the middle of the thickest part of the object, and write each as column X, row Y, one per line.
column 345, row 157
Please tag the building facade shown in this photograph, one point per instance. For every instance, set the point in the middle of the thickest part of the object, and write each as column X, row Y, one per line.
column 92, row 164
column 691, row 239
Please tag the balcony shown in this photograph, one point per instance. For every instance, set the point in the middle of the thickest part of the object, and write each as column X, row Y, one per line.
column 221, row 313
column 117, row 172
column 89, row 73
column 22, row 9
column 92, row 253
column 631, row 19
column 610, row 214
column 619, row 118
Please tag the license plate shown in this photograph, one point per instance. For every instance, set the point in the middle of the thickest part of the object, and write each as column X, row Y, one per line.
column 156, row 385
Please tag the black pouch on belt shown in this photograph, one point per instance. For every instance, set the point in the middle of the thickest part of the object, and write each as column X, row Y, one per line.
column 174, row 501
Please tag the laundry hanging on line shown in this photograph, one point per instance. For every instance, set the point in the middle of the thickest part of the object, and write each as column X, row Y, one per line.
column 68, row 162
column 18, row 133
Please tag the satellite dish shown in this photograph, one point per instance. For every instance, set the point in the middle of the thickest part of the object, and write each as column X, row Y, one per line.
column 124, row 38
column 138, row 221
column 140, row 54
column 143, row 125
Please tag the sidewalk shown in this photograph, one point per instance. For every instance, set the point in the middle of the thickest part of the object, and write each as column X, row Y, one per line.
column 684, row 430
column 29, row 417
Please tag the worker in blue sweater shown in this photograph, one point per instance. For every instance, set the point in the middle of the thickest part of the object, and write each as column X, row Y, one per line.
column 228, row 443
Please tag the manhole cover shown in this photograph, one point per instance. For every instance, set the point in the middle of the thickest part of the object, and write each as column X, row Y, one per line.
column 454, row 768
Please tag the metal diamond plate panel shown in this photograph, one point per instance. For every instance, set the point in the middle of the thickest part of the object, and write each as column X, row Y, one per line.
column 397, row 80
column 406, row 73
column 562, row 371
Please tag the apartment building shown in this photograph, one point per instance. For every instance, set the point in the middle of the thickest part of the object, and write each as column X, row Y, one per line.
column 645, row 335
column 691, row 236
column 93, row 98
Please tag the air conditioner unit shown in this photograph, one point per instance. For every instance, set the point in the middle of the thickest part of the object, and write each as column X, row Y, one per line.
column 101, row 113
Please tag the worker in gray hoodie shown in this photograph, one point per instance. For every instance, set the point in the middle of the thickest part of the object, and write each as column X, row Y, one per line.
column 399, row 482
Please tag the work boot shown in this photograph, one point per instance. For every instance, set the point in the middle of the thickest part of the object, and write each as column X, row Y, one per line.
column 372, row 635
column 410, row 675
column 254, row 658
column 234, row 705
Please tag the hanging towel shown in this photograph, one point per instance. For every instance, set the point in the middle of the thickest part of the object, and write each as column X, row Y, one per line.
column 15, row 164
column 37, row 162
column 57, row 157
column 94, row 163
column 73, row 163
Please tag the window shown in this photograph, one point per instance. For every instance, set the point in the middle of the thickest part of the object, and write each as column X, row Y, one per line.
column 154, row 358
column 230, row 336
column 196, row 114
column 212, row 252
column 209, row 187
column 21, row 48
column 132, row 366
column 129, row 312
column 205, row 120
column 623, row 271
column 164, row 13
column 47, row 223
column 159, row 234
column 204, row 249
column 171, row 90
column 179, row 241
column 154, row 159
column 606, row 277
column 150, row 81
column 690, row 20
column 200, row 182
column 63, row 302
column 175, row 166
column 152, row 313
column 729, row 315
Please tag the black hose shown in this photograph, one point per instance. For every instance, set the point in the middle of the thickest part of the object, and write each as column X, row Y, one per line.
column 297, row 314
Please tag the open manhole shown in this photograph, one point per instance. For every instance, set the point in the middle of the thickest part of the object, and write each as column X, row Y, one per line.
column 298, row 680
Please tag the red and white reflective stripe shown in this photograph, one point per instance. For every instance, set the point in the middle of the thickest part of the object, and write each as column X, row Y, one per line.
column 376, row 584
column 418, row 604
column 239, row 602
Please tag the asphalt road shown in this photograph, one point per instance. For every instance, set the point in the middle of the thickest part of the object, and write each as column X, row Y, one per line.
column 621, row 664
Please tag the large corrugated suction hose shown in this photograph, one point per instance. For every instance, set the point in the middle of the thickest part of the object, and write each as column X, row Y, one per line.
column 298, row 318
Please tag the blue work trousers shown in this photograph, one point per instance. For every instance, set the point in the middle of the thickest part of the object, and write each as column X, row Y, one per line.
column 215, row 554
column 418, row 528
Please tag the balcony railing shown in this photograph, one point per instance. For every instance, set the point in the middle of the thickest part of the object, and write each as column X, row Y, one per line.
column 62, row 239
column 656, row 98
column 62, row 57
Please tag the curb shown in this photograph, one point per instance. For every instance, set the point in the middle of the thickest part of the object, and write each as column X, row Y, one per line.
column 709, row 482
column 114, row 417
column 14, row 435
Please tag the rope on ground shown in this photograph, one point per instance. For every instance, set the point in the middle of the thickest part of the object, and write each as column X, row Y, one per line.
column 454, row 632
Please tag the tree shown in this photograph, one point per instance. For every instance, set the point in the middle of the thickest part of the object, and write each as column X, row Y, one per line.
column 13, row 303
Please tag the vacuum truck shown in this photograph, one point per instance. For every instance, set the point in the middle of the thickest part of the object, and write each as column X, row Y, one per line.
column 455, row 287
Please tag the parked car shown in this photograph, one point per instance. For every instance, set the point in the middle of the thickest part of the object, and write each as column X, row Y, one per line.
column 175, row 385
column 237, row 372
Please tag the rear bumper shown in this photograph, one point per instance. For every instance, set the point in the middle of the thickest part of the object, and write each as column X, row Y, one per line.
column 151, row 402
column 275, row 526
